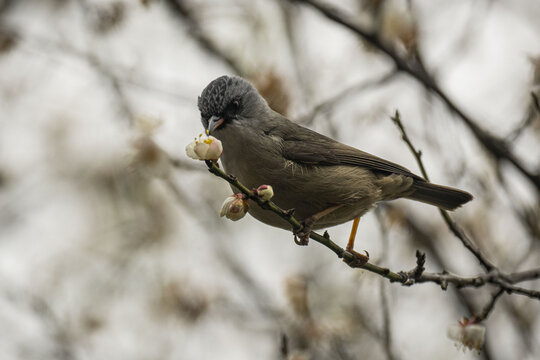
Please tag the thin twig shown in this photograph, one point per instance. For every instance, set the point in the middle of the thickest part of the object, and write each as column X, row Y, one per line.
column 528, row 119
column 489, row 307
column 386, row 328
column 349, row 258
column 97, row 65
column 535, row 102
column 327, row 105
column 417, row 153
column 186, row 15
column 386, row 331
column 456, row 230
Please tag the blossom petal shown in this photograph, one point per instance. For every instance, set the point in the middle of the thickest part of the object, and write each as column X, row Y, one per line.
column 191, row 152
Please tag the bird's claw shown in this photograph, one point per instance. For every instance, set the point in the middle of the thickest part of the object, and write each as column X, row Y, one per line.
column 358, row 258
column 301, row 237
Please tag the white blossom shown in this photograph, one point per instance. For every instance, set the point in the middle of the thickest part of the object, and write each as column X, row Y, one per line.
column 204, row 148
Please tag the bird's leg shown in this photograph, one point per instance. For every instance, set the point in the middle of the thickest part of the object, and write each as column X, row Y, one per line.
column 360, row 258
column 307, row 224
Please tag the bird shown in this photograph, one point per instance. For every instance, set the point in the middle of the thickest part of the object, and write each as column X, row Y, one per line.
column 327, row 183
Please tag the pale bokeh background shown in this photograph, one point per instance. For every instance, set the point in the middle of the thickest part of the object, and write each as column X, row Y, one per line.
column 109, row 252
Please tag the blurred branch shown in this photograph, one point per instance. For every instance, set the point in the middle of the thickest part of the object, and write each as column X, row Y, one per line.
column 184, row 165
column 424, row 236
column 117, row 78
column 385, row 334
column 329, row 104
column 416, row 69
column 532, row 114
column 260, row 296
column 99, row 67
column 535, row 102
column 386, row 328
column 185, row 14
column 57, row 329
column 290, row 21
column 284, row 346
column 528, row 215
column 114, row 83
column 108, row 75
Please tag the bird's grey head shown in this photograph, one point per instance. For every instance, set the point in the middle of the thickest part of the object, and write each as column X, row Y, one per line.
column 229, row 99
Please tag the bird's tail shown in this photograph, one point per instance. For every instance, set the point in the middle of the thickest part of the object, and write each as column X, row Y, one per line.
column 444, row 197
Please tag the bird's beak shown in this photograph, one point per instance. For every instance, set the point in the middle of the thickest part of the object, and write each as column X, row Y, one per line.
column 214, row 123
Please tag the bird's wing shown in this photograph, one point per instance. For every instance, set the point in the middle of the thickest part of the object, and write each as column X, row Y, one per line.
column 308, row 147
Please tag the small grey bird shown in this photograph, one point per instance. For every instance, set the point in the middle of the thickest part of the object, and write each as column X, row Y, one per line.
column 326, row 182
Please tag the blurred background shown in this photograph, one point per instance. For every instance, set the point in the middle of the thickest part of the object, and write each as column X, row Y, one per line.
column 111, row 246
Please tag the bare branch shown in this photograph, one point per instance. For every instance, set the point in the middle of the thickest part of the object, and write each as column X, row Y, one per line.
column 417, row 275
column 347, row 257
column 185, row 14
column 330, row 103
column 532, row 114
column 386, row 328
column 524, row 275
column 95, row 63
column 489, row 307
column 535, row 102
column 456, row 230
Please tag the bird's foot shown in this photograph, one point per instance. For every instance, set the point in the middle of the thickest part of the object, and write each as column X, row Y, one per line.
column 301, row 237
column 358, row 258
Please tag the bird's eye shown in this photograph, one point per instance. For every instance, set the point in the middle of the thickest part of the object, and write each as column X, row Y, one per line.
column 232, row 109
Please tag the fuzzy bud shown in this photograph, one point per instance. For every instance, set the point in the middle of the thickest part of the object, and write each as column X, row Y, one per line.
column 265, row 192
column 467, row 334
column 234, row 207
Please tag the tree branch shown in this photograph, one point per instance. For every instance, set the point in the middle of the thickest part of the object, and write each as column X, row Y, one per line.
column 489, row 307
column 347, row 257
column 456, row 230
column 328, row 104
column 185, row 14
column 524, row 275
column 408, row 278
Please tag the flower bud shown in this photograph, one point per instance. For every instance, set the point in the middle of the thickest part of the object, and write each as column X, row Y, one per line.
column 234, row 207
column 467, row 334
column 204, row 148
column 265, row 192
